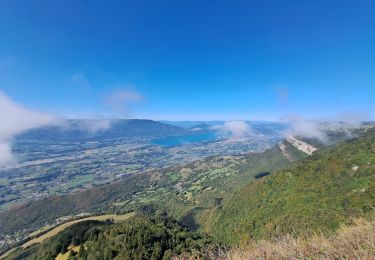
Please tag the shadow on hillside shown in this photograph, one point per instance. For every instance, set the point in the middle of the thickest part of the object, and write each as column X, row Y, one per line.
column 189, row 219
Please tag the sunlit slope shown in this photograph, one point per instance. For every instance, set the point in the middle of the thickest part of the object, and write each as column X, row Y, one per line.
column 353, row 241
column 317, row 193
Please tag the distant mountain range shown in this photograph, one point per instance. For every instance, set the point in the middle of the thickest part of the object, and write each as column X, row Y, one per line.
column 192, row 124
column 77, row 129
column 97, row 129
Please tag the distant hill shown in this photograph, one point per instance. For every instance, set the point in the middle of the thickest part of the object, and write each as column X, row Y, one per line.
column 192, row 124
column 261, row 127
column 317, row 193
column 77, row 129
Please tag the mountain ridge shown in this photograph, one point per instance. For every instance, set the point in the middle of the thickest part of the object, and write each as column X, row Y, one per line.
column 78, row 129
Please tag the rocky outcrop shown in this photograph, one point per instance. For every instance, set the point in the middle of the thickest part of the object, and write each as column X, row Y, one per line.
column 301, row 145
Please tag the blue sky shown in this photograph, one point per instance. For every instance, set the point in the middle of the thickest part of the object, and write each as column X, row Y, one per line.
column 189, row 59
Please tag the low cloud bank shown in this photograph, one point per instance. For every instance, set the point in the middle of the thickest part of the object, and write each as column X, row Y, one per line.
column 299, row 126
column 235, row 129
column 317, row 128
column 16, row 119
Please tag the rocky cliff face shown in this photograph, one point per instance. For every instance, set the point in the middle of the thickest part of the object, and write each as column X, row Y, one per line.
column 300, row 145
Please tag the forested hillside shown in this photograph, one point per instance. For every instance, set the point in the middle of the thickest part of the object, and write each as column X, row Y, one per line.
column 317, row 193
column 141, row 237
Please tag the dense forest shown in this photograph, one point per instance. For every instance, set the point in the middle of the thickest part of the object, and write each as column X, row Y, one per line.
column 141, row 237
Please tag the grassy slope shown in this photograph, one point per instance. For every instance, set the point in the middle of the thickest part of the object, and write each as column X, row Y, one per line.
column 355, row 241
column 317, row 193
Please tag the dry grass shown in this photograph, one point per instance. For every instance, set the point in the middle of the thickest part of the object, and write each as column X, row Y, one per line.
column 356, row 241
column 66, row 256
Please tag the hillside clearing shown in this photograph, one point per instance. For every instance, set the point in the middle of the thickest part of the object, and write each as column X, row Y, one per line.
column 59, row 228
column 56, row 230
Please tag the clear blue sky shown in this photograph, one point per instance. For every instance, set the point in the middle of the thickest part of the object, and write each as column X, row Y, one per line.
column 190, row 59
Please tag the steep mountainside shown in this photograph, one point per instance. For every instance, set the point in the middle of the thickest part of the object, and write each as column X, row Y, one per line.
column 317, row 193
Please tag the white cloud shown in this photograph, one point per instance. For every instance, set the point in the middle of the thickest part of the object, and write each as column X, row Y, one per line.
column 120, row 99
column 317, row 128
column 235, row 129
column 6, row 156
column 300, row 126
column 353, row 118
column 15, row 119
column 95, row 125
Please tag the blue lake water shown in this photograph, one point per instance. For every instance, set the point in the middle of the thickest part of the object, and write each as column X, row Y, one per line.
column 171, row 141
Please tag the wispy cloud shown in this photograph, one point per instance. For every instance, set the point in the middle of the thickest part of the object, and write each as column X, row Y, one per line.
column 353, row 118
column 235, row 129
column 80, row 79
column 120, row 100
column 95, row 125
column 15, row 119
column 317, row 128
column 300, row 126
